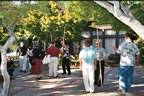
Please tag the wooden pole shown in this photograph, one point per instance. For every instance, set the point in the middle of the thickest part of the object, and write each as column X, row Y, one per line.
column 64, row 32
column 62, row 48
column 99, row 58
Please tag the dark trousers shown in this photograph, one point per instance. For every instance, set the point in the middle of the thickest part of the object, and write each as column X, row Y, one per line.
column 67, row 65
column 97, row 73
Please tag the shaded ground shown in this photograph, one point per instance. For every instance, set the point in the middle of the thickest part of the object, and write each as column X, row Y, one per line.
column 71, row 85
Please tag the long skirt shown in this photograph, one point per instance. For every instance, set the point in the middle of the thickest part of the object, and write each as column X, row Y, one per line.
column 36, row 68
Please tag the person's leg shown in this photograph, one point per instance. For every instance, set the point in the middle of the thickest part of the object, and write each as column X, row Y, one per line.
column 85, row 78
column 68, row 66
column 29, row 63
column 24, row 63
column 130, row 77
column 50, row 65
column 21, row 62
column 63, row 66
column 96, row 74
column 91, row 77
column 55, row 65
column 122, row 78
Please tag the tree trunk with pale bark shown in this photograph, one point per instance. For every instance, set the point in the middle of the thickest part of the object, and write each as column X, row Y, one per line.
column 3, row 50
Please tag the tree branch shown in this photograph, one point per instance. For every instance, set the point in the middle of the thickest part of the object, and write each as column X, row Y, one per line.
column 106, row 5
column 5, row 25
column 126, row 10
column 9, row 42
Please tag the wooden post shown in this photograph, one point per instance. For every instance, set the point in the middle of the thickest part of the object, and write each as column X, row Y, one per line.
column 99, row 56
column 62, row 48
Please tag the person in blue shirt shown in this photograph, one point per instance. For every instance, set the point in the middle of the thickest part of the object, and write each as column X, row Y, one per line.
column 87, row 57
column 100, row 58
column 128, row 52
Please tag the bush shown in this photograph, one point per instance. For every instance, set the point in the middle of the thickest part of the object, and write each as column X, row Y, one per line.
column 140, row 44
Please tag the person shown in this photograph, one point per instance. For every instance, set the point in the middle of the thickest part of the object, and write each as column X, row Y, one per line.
column 127, row 50
column 10, row 66
column 101, row 59
column 22, row 53
column 54, row 52
column 36, row 67
column 87, row 57
column 65, row 58
column 30, row 56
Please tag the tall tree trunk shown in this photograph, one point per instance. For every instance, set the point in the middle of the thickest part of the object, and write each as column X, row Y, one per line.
column 3, row 50
column 4, row 73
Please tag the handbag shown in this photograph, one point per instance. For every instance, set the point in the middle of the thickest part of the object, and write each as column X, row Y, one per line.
column 46, row 59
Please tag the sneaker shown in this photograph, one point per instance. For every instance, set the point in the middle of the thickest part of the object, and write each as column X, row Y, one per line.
column 122, row 91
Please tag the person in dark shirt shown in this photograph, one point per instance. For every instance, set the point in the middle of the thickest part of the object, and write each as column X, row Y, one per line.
column 36, row 68
column 54, row 52
column 10, row 66
column 65, row 58
column 22, row 53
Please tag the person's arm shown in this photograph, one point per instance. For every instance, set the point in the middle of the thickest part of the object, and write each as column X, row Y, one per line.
column 104, row 54
column 66, row 47
column 95, row 63
column 80, row 61
column 115, row 50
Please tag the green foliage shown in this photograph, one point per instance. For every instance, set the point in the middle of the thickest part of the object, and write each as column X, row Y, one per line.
column 140, row 43
column 13, row 47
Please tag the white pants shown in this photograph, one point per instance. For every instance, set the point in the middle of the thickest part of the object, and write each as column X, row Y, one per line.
column 28, row 61
column 88, row 76
column 53, row 66
column 23, row 62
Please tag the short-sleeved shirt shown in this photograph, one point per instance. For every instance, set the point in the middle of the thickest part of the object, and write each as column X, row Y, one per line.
column 87, row 55
column 22, row 50
column 102, row 53
column 128, row 50
column 65, row 52
column 53, row 51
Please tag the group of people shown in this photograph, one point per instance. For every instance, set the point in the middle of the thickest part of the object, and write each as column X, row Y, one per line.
column 92, row 64
column 54, row 52
column 32, row 56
